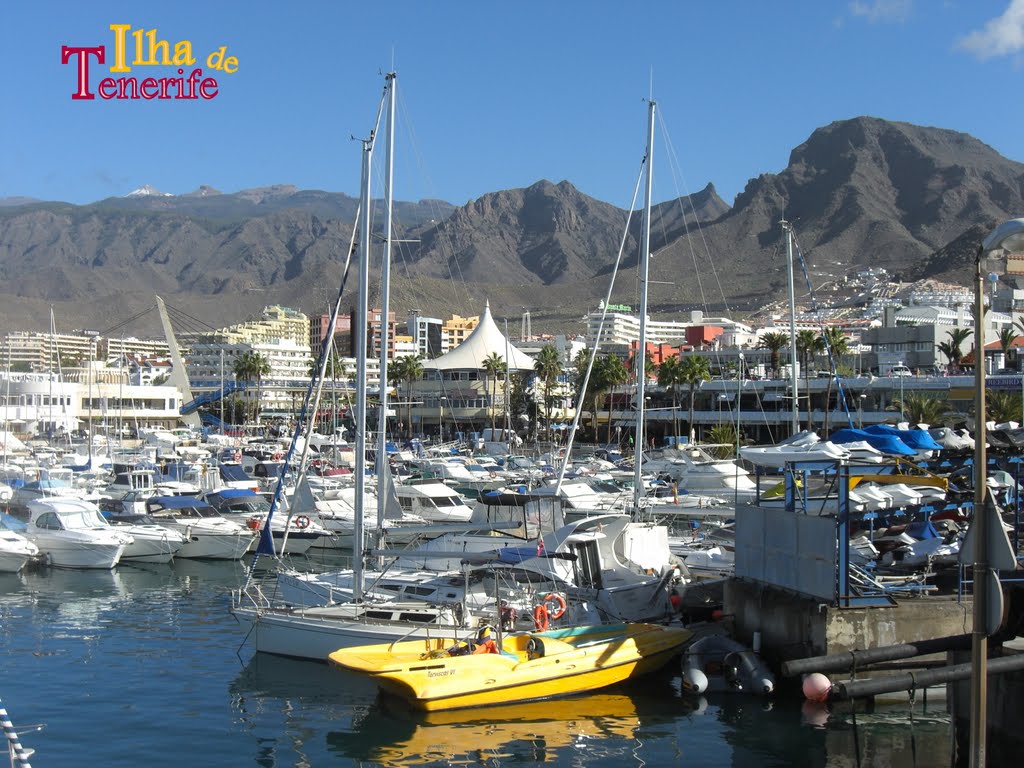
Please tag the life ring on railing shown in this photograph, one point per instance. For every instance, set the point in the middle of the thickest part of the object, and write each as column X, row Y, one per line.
column 277, row 456
column 556, row 609
column 302, row 522
column 254, row 523
column 541, row 618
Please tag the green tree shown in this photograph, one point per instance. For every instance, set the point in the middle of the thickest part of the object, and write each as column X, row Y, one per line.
column 494, row 367
column 952, row 349
column 775, row 343
column 834, row 340
column 650, row 368
column 808, row 345
column 919, row 408
column 670, row 376
column 406, row 371
column 694, row 370
column 1006, row 338
column 609, row 372
column 548, row 366
column 724, row 438
column 252, row 366
column 1001, row 407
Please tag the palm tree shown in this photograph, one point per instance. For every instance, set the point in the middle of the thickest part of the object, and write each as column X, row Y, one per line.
column 1006, row 338
column 952, row 348
column 919, row 408
column 406, row 370
column 1002, row 406
column 670, row 377
column 548, row 366
column 775, row 343
column 252, row 366
column 724, row 437
column 695, row 369
column 610, row 372
column 835, row 341
column 808, row 345
column 649, row 366
column 494, row 366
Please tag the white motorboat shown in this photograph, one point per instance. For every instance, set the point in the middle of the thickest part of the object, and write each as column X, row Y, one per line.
column 293, row 535
column 15, row 549
column 434, row 502
column 72, row 533
column 152, row 543
column 694, row 470
column 208, row 535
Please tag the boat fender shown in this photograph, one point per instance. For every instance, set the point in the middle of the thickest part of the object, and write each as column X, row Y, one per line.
column 554, row 605
column 754, row 671
column 541, row 618
column 302, row 522
column 694, row 681
column 534, row 648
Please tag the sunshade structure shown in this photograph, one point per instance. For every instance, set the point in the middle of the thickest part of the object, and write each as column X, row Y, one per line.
column 484, row 341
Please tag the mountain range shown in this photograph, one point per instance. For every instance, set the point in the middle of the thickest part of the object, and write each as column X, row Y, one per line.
column 860, row 193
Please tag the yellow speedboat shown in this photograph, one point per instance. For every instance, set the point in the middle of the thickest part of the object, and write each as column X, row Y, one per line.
column 516, row 668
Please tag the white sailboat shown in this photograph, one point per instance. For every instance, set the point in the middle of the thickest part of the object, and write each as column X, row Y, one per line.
column 274, row 627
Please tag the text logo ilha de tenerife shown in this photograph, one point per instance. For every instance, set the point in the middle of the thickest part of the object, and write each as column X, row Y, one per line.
column 149, row 51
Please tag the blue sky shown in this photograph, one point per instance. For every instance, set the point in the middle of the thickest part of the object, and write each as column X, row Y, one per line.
column 498, row 95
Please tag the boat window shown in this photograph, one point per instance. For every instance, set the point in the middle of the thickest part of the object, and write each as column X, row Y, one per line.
column 588, row 565
column 49, row 521
column 82, row 519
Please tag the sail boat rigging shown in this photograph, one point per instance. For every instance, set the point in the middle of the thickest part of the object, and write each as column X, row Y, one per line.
column 641, row 351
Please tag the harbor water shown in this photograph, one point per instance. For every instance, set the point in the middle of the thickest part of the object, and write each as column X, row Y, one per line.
column 145, row 666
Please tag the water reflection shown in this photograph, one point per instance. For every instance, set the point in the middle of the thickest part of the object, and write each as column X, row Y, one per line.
column 604, row 726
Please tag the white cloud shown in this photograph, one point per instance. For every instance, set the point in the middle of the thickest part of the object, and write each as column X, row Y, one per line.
column 1000, row 36
column 882, row 11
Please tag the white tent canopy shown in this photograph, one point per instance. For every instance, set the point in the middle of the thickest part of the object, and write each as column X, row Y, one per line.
column 484, row 341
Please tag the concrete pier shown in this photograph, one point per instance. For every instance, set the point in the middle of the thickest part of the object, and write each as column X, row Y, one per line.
column 794, row 627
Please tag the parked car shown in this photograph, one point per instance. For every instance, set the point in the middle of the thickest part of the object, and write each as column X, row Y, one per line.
column 901, row 370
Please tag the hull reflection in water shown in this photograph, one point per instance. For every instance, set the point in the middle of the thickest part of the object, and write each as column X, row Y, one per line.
column 394, row 734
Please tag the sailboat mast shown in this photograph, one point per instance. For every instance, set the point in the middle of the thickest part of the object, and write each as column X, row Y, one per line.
column 385, row 290
column 360, row 333
column 641, row 352
column 794, row 365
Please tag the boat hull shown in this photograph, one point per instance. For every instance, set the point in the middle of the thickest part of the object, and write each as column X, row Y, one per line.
column 315, row 633
column 574, row 661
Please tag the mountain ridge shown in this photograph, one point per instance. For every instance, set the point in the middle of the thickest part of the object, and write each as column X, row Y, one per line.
column 860, row 192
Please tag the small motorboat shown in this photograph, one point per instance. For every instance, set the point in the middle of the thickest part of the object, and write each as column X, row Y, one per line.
column 517, row 667
column 15, row 549
column 719, row 664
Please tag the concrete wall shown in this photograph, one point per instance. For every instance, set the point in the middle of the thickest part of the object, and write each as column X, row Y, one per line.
column 793, row 626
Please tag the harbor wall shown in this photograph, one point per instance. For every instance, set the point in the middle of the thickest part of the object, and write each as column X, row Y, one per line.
column 792, row 626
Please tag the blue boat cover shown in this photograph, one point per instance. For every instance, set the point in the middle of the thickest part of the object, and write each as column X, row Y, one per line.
column 922, row 529
column 231, row 493
column 916, row 438
column 885, row 443
column 175, row 502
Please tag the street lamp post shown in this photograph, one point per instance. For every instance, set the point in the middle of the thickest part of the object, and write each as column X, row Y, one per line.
column 1008, row 236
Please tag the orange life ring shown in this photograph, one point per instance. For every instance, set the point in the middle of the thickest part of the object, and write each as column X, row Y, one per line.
column 254, row 523
column 541, row 618
column 557, row 610
column 302, row 522
column 277, row 456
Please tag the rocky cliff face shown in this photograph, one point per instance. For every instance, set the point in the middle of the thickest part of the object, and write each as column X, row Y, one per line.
column 859, row 192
